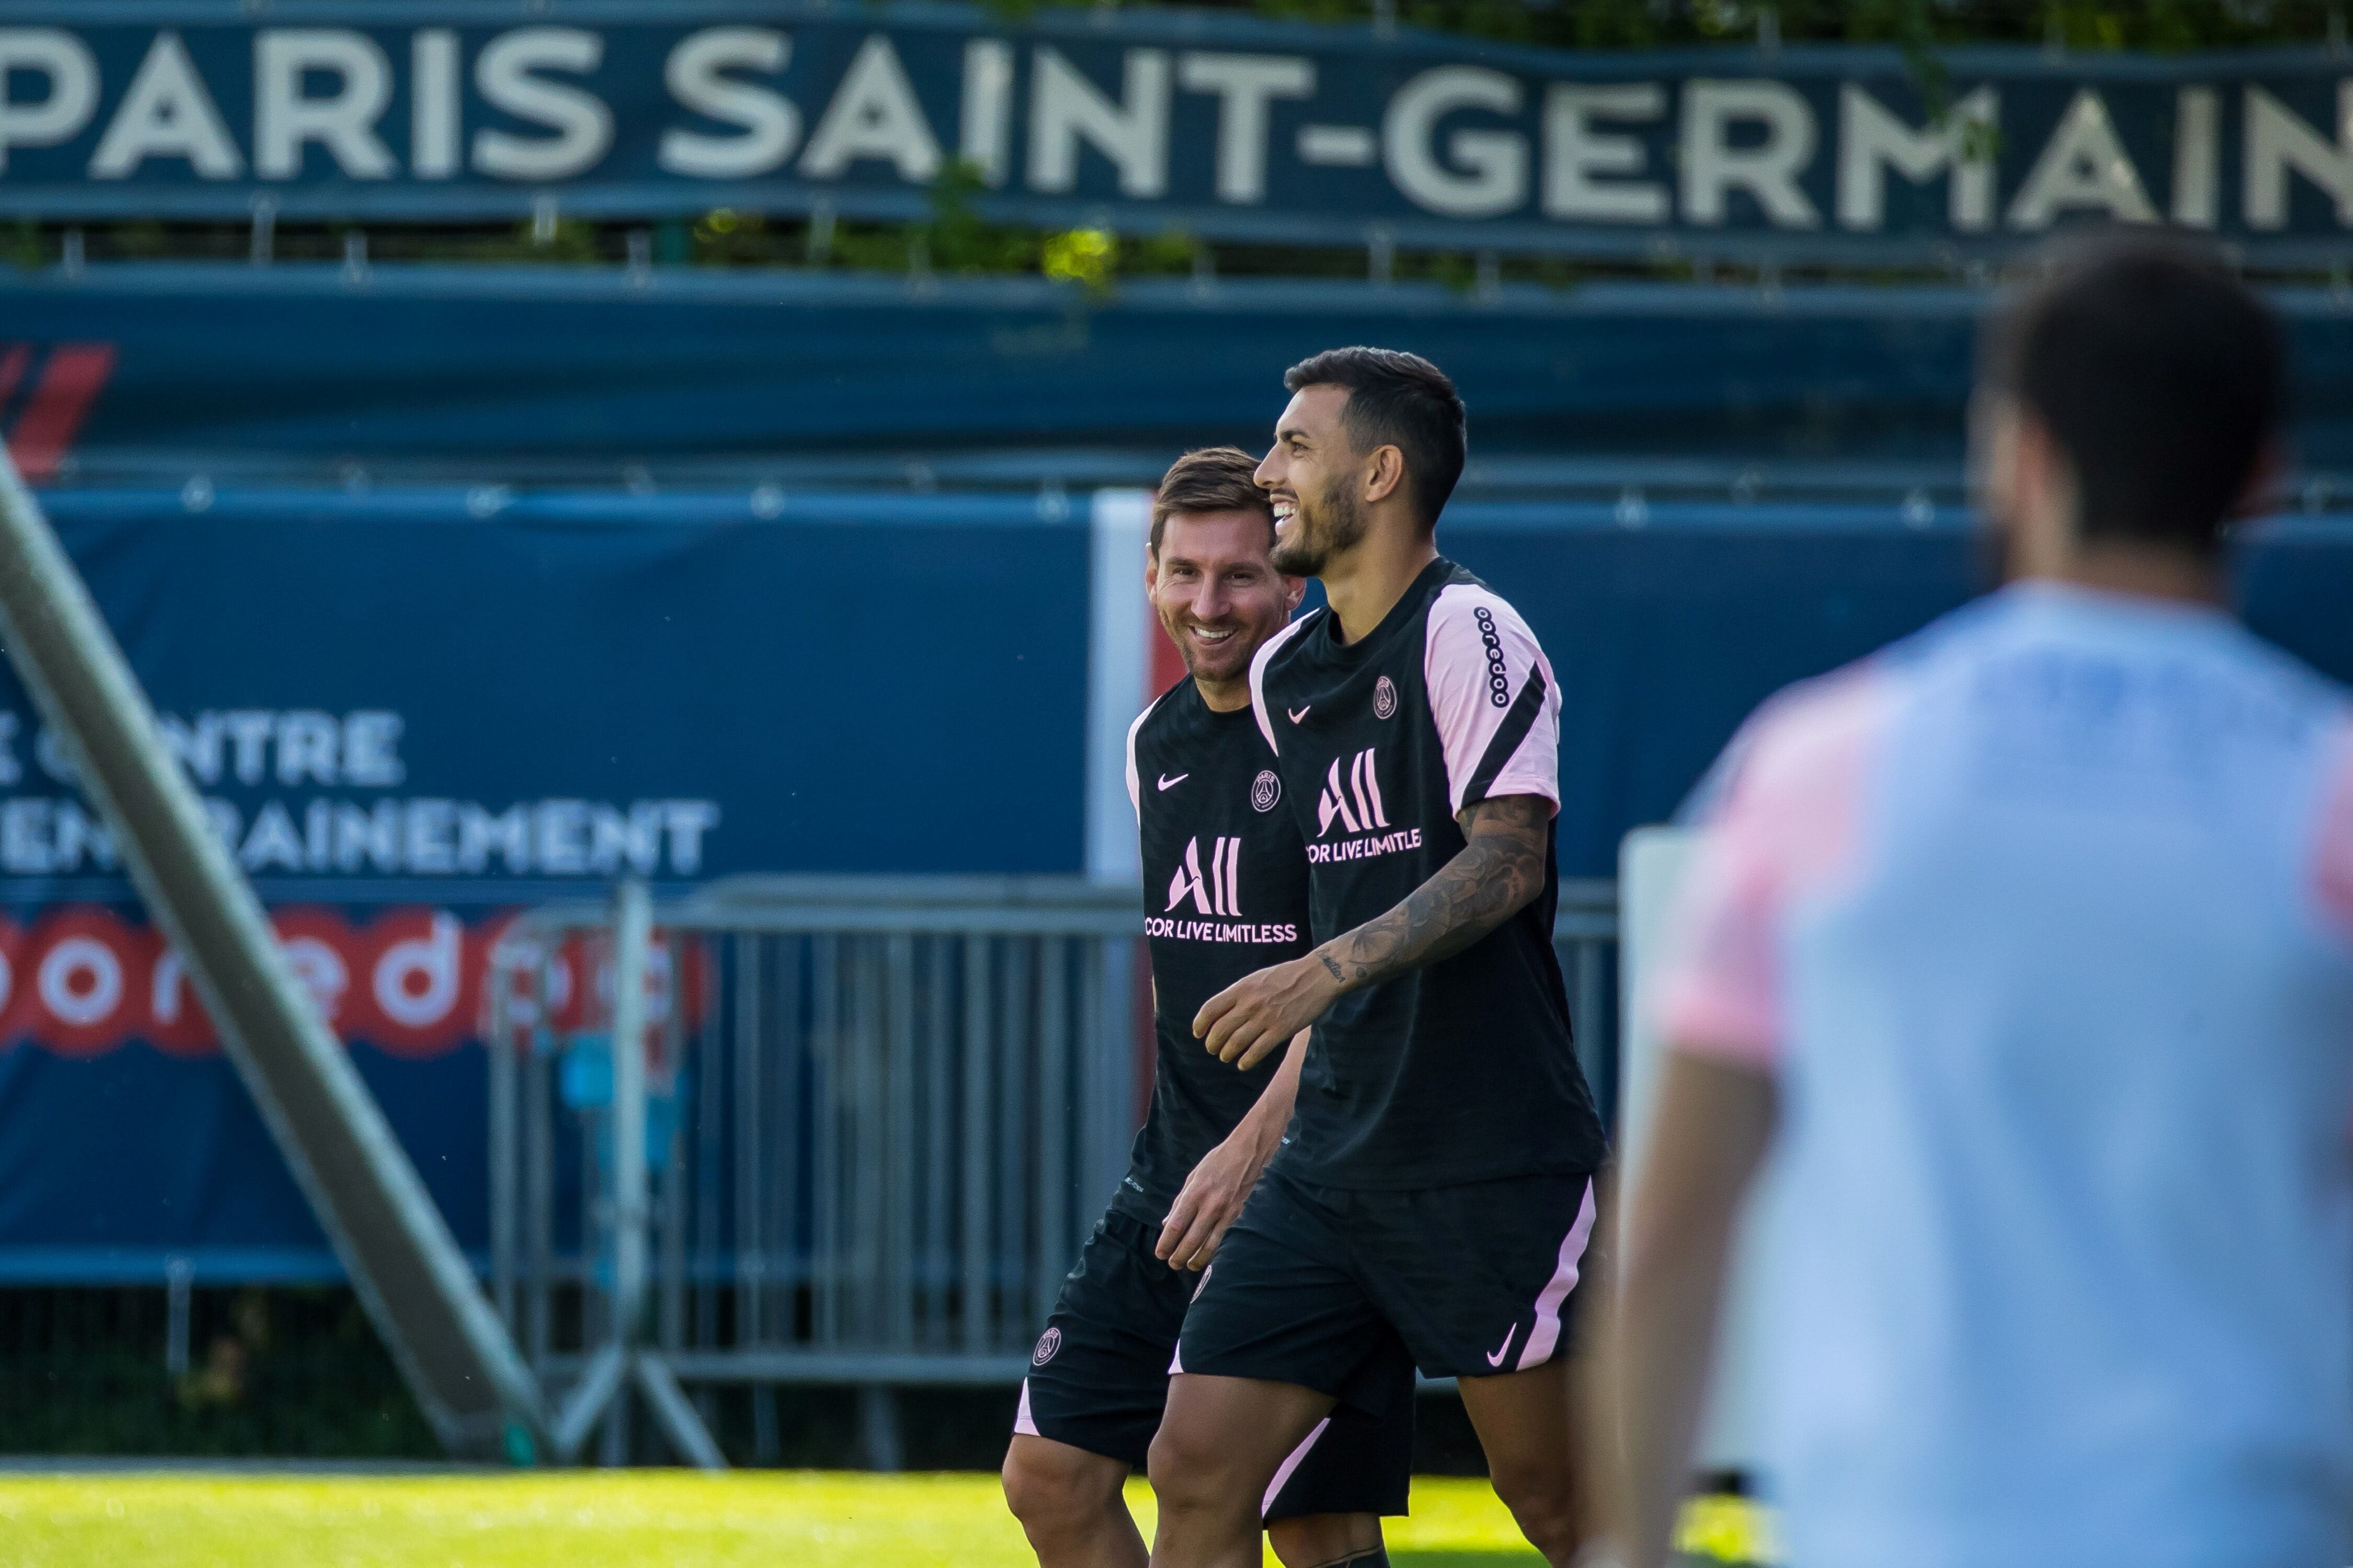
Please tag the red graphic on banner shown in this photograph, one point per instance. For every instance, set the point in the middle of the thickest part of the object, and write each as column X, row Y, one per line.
column 57, row 398
column 81, row 981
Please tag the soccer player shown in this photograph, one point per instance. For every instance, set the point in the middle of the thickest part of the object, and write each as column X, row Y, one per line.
column 2030, row 941
column 1437, row 1185
column 1226, row 890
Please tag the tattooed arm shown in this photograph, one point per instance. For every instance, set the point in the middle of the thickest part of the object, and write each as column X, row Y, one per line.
column 1497, row 873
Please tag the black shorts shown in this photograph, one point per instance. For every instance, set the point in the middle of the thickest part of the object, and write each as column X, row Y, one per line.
column 1312, row 1280
column 1099, row 1381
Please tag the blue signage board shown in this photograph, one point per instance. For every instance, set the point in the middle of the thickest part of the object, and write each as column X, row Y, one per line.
column 1216, row 125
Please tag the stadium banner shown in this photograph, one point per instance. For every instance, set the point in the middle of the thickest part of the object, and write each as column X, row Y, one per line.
column 1151, row 121
column 412, row 713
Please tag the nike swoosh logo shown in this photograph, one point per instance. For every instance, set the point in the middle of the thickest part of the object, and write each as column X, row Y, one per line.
column 1496, row 1359
column 1302, row 713
column 1166, row 782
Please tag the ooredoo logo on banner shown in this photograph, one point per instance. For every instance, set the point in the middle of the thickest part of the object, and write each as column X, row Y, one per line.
column 82, row 980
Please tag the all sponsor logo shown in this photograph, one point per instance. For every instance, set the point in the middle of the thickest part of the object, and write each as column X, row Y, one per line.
column 1362, row 790
column 1219, row 892
column 1355, row 803
column 1499, row 679
column 1048, row 1344
column 1265, row 790
column 1384, row 698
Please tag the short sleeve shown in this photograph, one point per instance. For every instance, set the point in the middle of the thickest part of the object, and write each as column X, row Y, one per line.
column 2333, row 838
column 1717, row 993
column 1493, row 699
column 1785, row 820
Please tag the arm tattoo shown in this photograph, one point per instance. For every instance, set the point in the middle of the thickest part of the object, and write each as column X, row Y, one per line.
column 1333, row 964
column 1495, row 876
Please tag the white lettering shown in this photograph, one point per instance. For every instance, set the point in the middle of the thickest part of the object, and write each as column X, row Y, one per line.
column 1066, row 108
column 416, row 981
column 81, row 837
column 481, row 834
column 371, row 749
column 1767, row 171
column 2277, row 142
column 634, row 840
column 68, row 99
column 2083, row 166
column 1575, row 154
column 874, row 114
column 80, row 981
column 285, row 117
column 306, row 747
column 505, row 73
column 272, row 842
column 985, row 132
column 372, row 835
column 249, row 730
column 430, row 835
column 167, row 990
column 166, row 113
column 686, row 821
column 1872, row 140
column 2196, row 152
column 26, row 847
column 770, row 125
column 561, row 836
column 433, row 108
column 1483, row 172
column 1245, row 85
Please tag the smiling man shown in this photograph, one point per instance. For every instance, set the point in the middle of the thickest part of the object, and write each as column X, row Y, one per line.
column 1225, row 893
column 1437, row 1185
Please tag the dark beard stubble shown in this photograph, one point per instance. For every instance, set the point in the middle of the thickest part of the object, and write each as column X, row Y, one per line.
column 1335, row 523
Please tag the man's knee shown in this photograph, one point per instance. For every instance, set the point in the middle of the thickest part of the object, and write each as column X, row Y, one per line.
column 1049, row 1483
column 1191, row 1468
column 1542, row 1497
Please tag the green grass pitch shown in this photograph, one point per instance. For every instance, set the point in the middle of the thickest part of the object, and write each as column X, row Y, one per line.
column 630, row 1519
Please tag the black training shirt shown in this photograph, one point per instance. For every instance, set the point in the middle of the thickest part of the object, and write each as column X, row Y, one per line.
column 1225, row 893
column 1462, row 1070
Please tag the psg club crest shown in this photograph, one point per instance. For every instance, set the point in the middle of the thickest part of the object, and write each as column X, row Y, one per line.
column 1048, row 1344
column 1266, row 789
column 1384, row 698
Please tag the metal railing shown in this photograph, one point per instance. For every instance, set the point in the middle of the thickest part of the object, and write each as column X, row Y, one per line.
column 882, row 1114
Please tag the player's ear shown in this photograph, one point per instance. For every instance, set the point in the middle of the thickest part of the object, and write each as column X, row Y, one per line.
column 1293, row 590
column 1150, row 573
column 1385, row 475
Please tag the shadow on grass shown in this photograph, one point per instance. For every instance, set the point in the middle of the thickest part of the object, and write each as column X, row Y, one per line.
column 1465, row 1557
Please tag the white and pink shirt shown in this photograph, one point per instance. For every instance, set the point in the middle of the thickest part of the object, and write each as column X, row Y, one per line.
column 2043, row 924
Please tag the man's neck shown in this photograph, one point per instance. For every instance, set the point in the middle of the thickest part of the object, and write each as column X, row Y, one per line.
column 1223, row 696
column 1364, row 585
column 2150, row 573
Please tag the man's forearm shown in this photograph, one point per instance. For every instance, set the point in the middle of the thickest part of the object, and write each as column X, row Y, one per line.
column 1673, row 1245
column 1264, row 1122
column 1499, row 871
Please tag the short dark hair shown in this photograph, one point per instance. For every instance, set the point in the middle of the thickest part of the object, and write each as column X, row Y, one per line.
column 1211, row 479
column 2161, row 376
column 1401, row 400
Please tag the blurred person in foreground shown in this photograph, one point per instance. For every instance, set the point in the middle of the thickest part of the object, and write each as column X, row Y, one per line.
column 2028, row 945
column 1225, row 875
